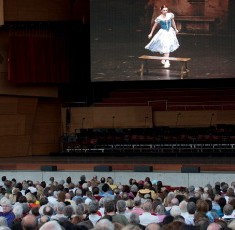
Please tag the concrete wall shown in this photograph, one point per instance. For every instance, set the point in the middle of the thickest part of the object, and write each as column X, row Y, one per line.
column 172, row 178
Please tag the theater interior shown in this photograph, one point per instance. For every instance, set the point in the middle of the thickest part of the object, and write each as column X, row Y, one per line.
column 71, row 93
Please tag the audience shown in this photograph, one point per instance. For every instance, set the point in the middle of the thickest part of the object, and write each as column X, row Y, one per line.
column 102, row 204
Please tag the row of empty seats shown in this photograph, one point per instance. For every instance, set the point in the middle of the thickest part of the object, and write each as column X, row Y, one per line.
column 161, row 139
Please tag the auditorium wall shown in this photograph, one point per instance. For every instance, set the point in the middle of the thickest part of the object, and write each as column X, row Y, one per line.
column 141, row 117
column 28, row 126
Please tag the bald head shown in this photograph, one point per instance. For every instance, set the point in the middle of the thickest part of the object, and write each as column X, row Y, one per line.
column 29, row 222
column 51, row 225
column 174, row 201
column 153, row 226
column 214, row 226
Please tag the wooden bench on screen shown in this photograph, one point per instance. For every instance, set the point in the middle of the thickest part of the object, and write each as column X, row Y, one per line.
column 184, row 71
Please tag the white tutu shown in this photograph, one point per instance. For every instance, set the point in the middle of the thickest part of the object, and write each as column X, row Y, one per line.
column 163, row 42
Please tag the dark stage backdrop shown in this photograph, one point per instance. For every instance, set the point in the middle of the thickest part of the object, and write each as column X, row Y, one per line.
column 33, row 59
column 119, row 32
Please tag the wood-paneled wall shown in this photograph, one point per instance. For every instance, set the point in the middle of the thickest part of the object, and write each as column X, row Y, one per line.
column 28, row 126
column 198, row 118
column 141, row 117
column 107, row 117
column 46, row 128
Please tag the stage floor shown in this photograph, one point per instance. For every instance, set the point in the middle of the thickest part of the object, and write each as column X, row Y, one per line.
column 114, row 57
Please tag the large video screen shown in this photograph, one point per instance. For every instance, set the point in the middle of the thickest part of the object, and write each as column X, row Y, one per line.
column 119, row 32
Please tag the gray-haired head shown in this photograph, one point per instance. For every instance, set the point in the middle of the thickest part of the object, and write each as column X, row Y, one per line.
column 134, row 218
column 104, row 224
column 121, row 206
column 93, row 207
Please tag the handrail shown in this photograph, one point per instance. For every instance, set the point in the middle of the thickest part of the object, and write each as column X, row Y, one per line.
column 74, row 104
column 168, row 104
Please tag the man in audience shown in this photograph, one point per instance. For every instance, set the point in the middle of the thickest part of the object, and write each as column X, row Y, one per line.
column 29, row 222
column 147, row 217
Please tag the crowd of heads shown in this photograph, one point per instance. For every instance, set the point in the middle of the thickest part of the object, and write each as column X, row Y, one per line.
column 101, row 204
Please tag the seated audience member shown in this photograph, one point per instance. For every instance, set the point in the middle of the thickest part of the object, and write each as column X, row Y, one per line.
column 160, row 212
column 215, row 205
column 189, row 216
column 183, row 207
column 214, row 226
column 112, row 215
column 100, row 185
column 212, row 214
column 29, row 222
column 167, row 200
column 7, row 211
column 3, row 221
column 79, row 214
column 104, row 224
column 121, row 207
column 137, row 206
column 147, row 190
column 51, row 225
column 175, row 211
column 228, row 213
column 147, row 217
column 94, row 215
column 173, row 225
column 78, row 195
column 111, row 184
column 59, row 209
column 95, row 192
column 18, row 211
column 153, row 226
column 231, row 225
column 134, row 219
column 222, row 203
column 167, row 220
column 201, row 220
column 130, row 227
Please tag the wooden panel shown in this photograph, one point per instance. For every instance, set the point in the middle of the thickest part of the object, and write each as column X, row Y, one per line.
column 226, row 117
column 14, row 146
column 27, row 105
column 29, row 121
column 110, row 117
column 45, row 148
column 185, row 118
column 46, row 129
column 81, row 118
column 8, row 105
column 48, row 112
column 12, row 125
column 46, row 133
column 200, row 118
column 122, row 117
column 63, row 121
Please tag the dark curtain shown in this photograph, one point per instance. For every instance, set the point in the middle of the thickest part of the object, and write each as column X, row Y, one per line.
column 33, row 59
